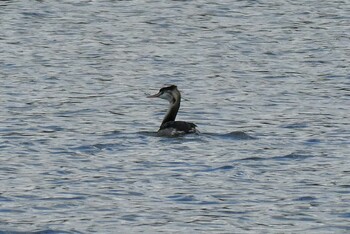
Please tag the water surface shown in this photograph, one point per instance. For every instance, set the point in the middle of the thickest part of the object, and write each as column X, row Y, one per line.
column 267, row 84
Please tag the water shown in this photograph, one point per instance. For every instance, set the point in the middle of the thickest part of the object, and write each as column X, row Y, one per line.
column 266, row 82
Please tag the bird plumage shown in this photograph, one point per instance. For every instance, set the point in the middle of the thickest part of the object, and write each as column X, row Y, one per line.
column 169, row 126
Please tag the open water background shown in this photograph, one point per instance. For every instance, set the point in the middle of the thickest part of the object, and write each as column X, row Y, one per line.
column 78, row 153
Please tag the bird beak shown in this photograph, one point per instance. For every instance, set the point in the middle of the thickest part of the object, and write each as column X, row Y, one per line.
column 155, row 95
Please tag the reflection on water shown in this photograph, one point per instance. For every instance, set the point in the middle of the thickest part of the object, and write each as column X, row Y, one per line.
column 266, row 83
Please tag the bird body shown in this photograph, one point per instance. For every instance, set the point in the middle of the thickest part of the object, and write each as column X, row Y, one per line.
column 169, row 126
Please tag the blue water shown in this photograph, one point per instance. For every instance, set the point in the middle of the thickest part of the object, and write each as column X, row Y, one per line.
column 266, row 82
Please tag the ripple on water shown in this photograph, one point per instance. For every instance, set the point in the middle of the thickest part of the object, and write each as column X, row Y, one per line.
column 289, row 157
column 235, row 135
column 48, row 231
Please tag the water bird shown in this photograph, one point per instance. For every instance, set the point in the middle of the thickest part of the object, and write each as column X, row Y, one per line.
column 169, row 126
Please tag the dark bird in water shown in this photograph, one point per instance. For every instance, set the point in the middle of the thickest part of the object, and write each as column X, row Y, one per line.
column 169, row 126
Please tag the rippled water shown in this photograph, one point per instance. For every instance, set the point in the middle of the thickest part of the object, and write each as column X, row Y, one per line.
column 267, row 83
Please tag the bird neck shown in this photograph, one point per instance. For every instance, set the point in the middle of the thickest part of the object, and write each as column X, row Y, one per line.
column 173, row 109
